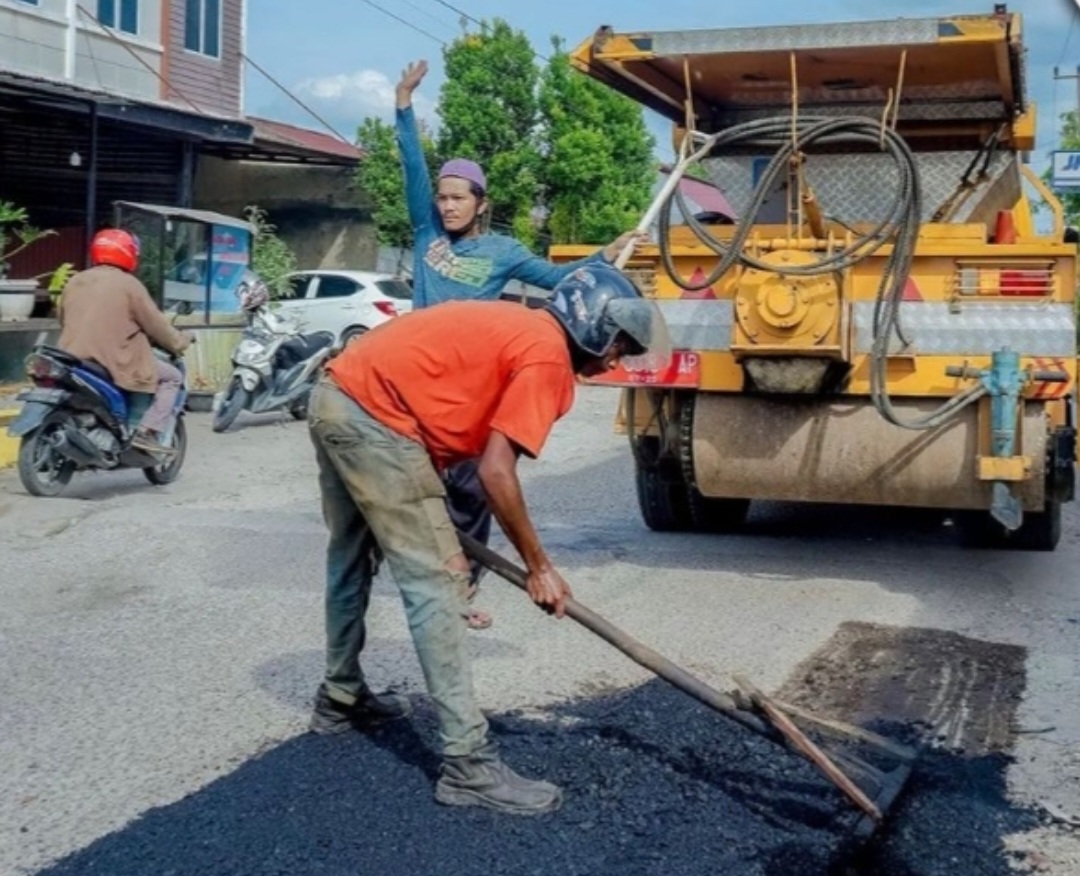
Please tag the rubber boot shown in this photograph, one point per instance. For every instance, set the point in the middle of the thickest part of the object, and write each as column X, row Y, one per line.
column 482, row 779
column 370, row 709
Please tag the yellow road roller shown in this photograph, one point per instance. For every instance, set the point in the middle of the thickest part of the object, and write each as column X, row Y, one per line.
column 878, row 313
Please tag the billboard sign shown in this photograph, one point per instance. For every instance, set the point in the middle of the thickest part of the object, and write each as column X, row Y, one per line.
column 1065, row 172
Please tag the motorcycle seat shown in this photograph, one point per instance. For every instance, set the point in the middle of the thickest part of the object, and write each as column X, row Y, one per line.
column 97, row 369
column 61, row 356
column 65, row 358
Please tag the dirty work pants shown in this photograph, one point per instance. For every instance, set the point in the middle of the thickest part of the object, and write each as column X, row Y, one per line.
column 160, row 411
column 380, row 491
column 468, row 506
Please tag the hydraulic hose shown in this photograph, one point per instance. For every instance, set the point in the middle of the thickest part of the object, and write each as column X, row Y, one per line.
column 900, row 227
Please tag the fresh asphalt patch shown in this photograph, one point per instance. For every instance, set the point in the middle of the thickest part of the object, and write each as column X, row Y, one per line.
column 955, row 699
column 654, row 783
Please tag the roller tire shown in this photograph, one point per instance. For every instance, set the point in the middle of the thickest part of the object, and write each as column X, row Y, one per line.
column 662, row 500
column 1040, row 531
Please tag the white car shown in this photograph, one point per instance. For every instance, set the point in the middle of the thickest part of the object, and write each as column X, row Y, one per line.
column 345, row 303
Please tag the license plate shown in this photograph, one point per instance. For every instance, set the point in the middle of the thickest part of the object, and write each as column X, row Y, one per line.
column 684, row 370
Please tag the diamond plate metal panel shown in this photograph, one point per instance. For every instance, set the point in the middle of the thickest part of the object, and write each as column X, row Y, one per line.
column 977, row 329
column 923, row 110
column 806, row 37
column 698, row 325
column 854, row 187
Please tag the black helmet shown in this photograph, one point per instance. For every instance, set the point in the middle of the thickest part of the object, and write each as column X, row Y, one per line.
column 597, row 302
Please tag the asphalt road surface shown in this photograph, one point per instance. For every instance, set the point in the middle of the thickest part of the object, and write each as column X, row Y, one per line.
column 160, row 647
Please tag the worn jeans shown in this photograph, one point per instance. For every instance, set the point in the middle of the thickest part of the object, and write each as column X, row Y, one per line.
column 380, row 492
column 159, row 413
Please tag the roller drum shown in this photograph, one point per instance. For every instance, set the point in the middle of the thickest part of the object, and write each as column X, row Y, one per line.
column 814, row 450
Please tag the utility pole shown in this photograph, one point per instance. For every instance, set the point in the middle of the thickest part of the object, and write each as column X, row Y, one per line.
column 1059, row 76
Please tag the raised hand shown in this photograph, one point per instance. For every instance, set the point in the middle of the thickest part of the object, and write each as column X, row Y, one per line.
column 411, row 77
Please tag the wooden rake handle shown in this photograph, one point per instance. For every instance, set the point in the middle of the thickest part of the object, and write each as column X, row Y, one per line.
column 776, row 723
column 640, row 653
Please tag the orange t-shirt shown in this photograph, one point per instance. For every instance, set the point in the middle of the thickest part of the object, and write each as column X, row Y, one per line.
column 447, row 376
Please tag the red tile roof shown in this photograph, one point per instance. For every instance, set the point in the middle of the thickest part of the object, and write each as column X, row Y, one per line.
column 303, row 139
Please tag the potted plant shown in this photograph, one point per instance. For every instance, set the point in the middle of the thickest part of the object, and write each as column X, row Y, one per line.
column 16, row 234
column 58, row 281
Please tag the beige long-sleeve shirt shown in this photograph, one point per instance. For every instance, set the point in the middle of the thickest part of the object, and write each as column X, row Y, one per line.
column 107, row 315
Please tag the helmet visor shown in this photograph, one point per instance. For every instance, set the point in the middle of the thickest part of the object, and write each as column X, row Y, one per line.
column 643, row 322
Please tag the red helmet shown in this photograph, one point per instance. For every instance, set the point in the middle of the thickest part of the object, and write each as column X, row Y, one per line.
column 115, row 247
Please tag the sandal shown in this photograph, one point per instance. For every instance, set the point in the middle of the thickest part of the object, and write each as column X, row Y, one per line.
column 475, row 618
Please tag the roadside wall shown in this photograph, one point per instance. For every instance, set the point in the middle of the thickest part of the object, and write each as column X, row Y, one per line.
column 319, row 211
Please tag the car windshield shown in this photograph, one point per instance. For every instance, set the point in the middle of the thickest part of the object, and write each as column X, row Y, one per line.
column 395, row 289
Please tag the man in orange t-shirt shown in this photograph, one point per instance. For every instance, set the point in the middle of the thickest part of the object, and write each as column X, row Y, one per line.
column 462, row 380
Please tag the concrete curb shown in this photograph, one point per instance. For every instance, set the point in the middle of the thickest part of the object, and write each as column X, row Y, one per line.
column 9, row 447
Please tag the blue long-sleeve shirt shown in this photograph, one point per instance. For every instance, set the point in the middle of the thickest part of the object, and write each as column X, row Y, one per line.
column 467, row 268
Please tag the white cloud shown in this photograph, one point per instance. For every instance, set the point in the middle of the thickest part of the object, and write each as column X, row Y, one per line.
column 354, row 96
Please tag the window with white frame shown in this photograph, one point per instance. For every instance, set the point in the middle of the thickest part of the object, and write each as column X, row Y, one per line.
column 29, row 2
column 202, row 27
column 122, row 15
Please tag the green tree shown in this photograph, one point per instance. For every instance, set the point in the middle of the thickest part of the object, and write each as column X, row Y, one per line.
column 380, row 176
column 271, row 257
column 598, row 168
column 488, row 109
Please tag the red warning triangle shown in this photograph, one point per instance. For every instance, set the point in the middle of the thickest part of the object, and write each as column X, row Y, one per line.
column 699, row 276
column 911, row 291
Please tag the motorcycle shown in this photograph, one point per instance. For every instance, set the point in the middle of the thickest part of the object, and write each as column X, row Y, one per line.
column 274, row 368
column 76, row 419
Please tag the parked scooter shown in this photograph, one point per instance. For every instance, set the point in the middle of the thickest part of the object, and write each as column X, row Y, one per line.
column 76, row 419
column 274, row 366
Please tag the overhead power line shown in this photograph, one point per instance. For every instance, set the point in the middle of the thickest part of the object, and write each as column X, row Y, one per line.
column 460, row 12
column 1068, row 39
column 474, row 20
column 432, row 17
column 405, row 22
column 123, row 45
column 297, row 101
column 482, row 25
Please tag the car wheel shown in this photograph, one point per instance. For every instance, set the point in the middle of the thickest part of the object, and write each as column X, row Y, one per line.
column 351, row 334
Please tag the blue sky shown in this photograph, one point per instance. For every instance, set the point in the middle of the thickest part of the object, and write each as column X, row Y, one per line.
column 342, row 57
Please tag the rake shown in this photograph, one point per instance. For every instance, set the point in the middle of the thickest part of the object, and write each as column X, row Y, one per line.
column 872, row 789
